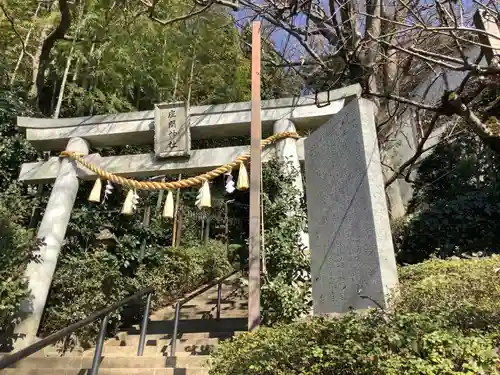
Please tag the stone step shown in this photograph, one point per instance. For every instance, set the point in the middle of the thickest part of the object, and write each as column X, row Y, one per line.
column 184, row 342
column 181, row 343
column 233, row 297
column 148, row 352
column 199, row 309
column 113, row 362
column 109, row 371
column 201, row 346
column 200, row 343
column 166, row 327
column 163, row 339
column 201, row 314
column 198, row 334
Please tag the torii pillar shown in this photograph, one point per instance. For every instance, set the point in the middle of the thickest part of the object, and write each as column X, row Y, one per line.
column 286, row 151
column 52, row 231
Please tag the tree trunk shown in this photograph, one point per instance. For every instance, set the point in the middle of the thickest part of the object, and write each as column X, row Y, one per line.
column 42, row 57
column 33, row 92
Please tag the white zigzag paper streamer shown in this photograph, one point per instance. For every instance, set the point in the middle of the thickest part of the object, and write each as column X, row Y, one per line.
column 107, row 191
column 135, row 201
column 230, row 185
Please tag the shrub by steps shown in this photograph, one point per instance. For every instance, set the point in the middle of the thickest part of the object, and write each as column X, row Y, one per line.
column 446, row 321
column 83, row 284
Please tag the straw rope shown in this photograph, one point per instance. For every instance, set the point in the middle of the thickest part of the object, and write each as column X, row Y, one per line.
column 188, row 182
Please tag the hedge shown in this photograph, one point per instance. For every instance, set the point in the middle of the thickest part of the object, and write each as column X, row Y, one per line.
column 445, row 321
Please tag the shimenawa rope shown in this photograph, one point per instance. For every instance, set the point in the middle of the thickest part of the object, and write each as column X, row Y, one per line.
column 188, row 182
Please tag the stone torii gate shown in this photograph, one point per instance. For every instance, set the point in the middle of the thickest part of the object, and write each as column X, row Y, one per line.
column 170, row 128
column 352, row 256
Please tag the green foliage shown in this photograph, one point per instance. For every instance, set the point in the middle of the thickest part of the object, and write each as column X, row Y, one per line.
column 17, row 244
column 455, row 205
column 125, row 60
column 375, row 343
column 462, row 225
column 86, row 282
column 121, row 60
column 82, row 285
column 444, row 322
column 18, row 248
column 185, row 268
column 14, row 149
column 286, row 286
column 459, row 293
column 93, row 272
column 455, row 168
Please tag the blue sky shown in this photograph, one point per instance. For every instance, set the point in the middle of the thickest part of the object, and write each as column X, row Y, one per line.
column 284, row 41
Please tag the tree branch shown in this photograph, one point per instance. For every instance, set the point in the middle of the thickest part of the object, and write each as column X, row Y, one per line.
column 226, row 3
column 400, row 99
column 176, row 19
column 205, row 4
column 420, row 149
column 279, row 22
column 469, row 75
column 70, row 38
column 471, row 118
column 12, row 24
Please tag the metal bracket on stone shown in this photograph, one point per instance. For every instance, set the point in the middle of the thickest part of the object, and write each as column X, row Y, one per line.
column 172, row 133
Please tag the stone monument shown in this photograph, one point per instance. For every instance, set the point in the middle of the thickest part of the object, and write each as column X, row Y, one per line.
column 352, row 256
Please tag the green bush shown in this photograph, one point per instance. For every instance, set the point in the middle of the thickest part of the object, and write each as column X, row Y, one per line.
column 101, row 262
column 286, row 285
column 463, row 224
column 14, row 148
column 85, row 283
column 456, row 201
column 445, row 321
column 185, row 268
column 374, row 343
column 81, row 286
column 460, row 293
column 18, row 248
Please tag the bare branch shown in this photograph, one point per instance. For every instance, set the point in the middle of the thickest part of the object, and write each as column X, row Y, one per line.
column 481, row 129
column 437, row 55
column 418, row 152
column 389, row 47
column 445, row 15
column 469, row 75
column 461, row 28
column 473, row 68
column 175, row 19
column 400, row 99
column 14, row 28
column 227, row 3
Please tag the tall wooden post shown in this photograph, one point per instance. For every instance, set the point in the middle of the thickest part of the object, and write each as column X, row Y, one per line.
column 255, row 177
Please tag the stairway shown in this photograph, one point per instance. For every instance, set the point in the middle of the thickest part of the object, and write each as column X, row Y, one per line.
column 198, row 334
